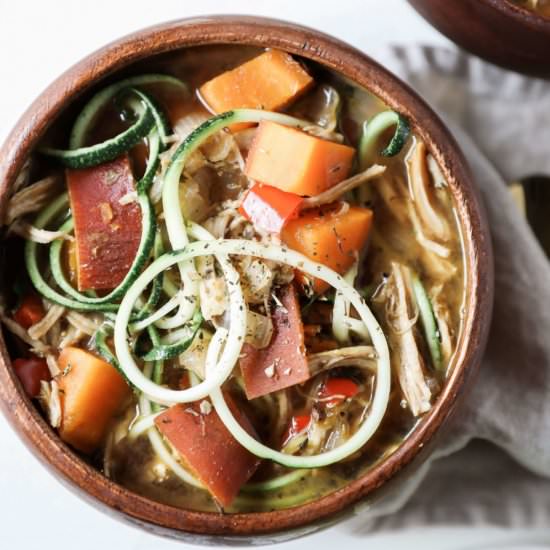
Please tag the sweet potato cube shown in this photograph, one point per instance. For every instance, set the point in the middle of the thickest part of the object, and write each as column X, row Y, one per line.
column 270, row 81
column 107, row 231
column 283, row 362
column 91, row 392
column 208, row 448
column 329, row 236
column 295, row 161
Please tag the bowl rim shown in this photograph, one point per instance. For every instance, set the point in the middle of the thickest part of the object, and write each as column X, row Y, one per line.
column 346, row 60
column 521, row 13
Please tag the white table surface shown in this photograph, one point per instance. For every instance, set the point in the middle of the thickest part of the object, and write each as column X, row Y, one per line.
column 38, row 40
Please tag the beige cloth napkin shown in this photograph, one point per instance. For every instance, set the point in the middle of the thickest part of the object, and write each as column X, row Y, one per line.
column 502, row 122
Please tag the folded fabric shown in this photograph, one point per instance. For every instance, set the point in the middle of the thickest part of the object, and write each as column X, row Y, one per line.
column 502, row 122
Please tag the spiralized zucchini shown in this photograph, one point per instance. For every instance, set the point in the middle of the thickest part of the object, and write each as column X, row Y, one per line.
column 188, row 242
column 219, row 369
column 377, row 125
column 50, row 213
column 237, row 309
column 92, row 155
column 94, row 106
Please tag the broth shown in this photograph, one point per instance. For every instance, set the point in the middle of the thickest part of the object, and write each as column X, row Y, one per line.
column 403, row 248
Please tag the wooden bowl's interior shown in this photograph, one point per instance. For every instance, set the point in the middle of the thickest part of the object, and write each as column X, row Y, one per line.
column 68, row 466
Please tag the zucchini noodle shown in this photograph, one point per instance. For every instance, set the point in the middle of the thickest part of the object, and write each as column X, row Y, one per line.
column 157, row 443
column 238, row 311
column 192, row 312
column 90, row 111
column 49, row 214
column 234, row 339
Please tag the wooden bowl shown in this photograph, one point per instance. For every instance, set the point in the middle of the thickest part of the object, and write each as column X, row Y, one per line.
column 497, row 30
column 279, row 525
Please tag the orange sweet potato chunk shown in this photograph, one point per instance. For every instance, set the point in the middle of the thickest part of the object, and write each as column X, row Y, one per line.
column 270, row 81
column 91, row 392
column 296, row 162
column 283, row 362
column 330, row 236
column 107, row 232
column 209, row 449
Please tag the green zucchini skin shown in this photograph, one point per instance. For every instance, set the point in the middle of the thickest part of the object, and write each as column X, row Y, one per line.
column 399, row 138
column 150, row 116
column 94, row 106
column 156, row 285
column 99, row 343
column 429, row 322
column 49, row 214
column 87, row 157
column 162, row 352
column 78, row 300
column 374, row 128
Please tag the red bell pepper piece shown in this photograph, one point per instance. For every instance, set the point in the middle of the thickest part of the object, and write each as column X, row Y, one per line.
column 269, row 208
column 298, row 423
column 30, row 311
column 336, row 390
column 31, row 372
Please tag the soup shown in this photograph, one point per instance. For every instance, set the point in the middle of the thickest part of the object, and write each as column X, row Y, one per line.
column 542, row 7
column 239, row 282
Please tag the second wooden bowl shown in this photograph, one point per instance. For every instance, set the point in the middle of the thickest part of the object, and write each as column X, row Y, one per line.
column 497, row 30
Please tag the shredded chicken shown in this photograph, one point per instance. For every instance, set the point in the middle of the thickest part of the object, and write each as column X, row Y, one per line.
column 336, row 192
column 435, row 171
column 395, row 202
column 432, row 246
column 30, row 199
column 53, row 366
column 409, row 362
column 88, row 324
column 36, row 346
column 50, row 402
column 70, row 337
column 41, row 236
column 52, row 316
column 419, row 187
